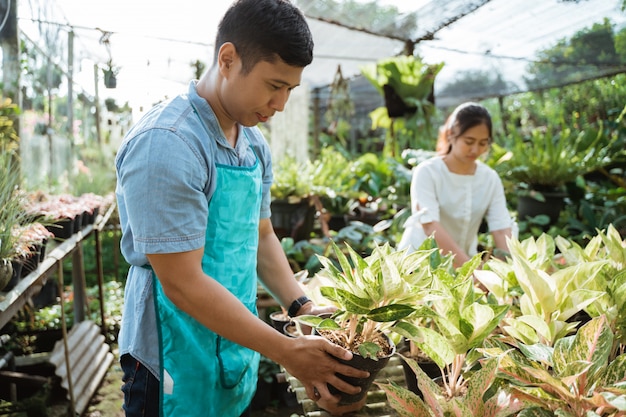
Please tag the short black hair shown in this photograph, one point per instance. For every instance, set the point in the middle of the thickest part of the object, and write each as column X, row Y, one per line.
column 263, row 30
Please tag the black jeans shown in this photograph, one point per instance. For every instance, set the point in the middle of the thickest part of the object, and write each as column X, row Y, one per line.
column 141, row 390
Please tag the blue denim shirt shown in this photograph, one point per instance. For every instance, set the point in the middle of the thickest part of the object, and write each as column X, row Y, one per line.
column 165, row 179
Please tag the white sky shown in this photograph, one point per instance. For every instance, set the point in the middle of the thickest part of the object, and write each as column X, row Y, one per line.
column 152, row 67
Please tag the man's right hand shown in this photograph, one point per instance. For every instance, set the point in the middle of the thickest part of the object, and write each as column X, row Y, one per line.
column 312, row 361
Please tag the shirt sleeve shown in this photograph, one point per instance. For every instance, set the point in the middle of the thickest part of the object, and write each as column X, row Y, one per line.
column 424, row 200
column 163, row 182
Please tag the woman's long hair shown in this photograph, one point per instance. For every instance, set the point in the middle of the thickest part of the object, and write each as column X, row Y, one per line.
column 464, row 117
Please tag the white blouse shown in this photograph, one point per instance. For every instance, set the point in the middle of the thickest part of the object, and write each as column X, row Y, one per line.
column 458, row 202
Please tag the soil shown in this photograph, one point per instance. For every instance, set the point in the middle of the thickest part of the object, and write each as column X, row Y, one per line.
column 339, row 338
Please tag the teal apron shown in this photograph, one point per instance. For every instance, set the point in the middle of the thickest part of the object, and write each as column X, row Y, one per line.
column 203, row 374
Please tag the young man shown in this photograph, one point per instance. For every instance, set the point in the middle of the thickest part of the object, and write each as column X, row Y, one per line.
column 193, row 191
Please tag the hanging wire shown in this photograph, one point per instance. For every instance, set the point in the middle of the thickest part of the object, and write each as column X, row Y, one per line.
column 6, row 16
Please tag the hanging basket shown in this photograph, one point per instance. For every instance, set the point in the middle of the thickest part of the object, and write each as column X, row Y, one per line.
column 396, row 107
column 110, row 79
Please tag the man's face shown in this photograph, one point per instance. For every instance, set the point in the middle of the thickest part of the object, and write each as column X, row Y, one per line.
column 255, row 97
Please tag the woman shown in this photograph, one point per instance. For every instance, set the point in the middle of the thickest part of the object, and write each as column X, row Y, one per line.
column 454, row 191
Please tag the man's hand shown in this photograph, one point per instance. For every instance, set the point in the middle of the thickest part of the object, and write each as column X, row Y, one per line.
column 311, row 360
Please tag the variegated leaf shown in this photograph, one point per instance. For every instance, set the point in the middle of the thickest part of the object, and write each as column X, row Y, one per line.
column 405, row 402
column 591, row 345
column 390, row 313
column 433, row 344
column 347, row 301
column 479, row 383
column 615, row 372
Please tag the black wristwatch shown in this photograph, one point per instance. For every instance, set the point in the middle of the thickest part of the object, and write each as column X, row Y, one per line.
column 295, row 306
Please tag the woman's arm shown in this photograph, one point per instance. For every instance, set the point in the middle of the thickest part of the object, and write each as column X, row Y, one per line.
column 446, row 243
column 500, row 241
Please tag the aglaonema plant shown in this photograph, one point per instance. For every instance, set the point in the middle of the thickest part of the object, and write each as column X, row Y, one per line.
column 478, row 399
column 371, row 294
column 549, row 297
column 573, row 378
column 461, row 321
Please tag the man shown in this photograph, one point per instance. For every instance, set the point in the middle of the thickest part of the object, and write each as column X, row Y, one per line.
column 193, row 192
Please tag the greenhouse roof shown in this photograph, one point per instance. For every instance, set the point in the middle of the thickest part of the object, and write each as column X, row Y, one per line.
column 155, row 42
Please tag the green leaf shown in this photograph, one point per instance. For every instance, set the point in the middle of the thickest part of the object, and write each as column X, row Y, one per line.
column 588, row 349
column 537, row 352
column 390, row 313
column 317, row 322
column 617, row 401
column 479, row 383
column 615, row 372
column 535, row 412
column 483, row 320
column 369, row 350
column 405, row 402
column 521, row 332
column 429, row 341
column 537, row 324
column 347, row 301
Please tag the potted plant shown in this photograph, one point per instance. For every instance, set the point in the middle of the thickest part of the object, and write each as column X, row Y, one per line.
column 549, row 296
column 607, row 246
column 11, row 215
column 30, row 246
column 371, row 294
column 546, row 159
column 576, row 377
column 110, row 75
column 333, row 184
column 407, row 85
column 461, row 321
column 477, row 399
column 293, row 211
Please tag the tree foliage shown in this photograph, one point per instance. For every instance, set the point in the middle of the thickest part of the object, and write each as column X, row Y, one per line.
column 593, row 51
column 475, row 84
column 377, row 18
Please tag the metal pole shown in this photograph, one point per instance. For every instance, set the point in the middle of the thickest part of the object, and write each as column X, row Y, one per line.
column 100, row 280
column 70, row 385
column 97, row 103
column 70, row 86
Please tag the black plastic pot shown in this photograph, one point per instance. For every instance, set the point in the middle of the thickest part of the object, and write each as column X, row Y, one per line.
column 429, row 367
column 366, row 364
column 293, row 220
column 396, row 107
column 279, row 320
column 62, row 229
column 528, row 206
column 7, row 274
